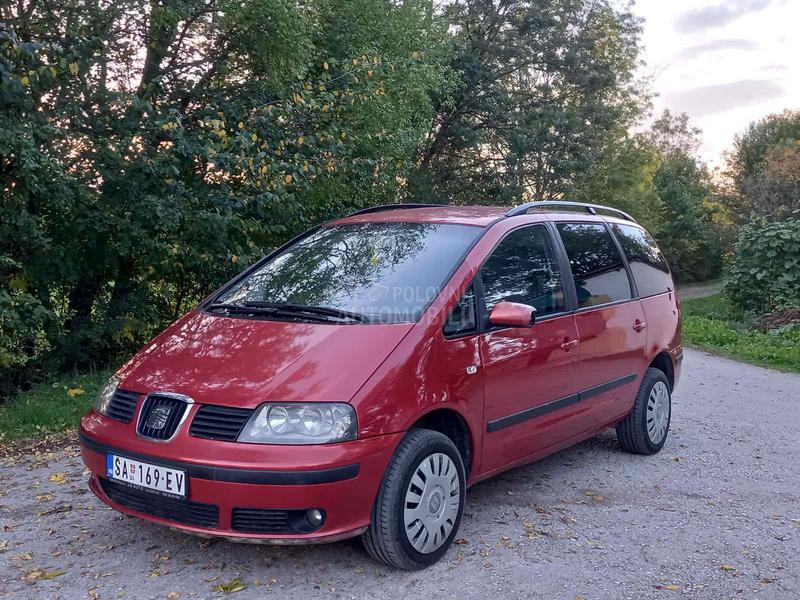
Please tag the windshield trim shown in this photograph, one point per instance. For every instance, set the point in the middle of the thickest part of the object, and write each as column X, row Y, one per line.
column 214, row 297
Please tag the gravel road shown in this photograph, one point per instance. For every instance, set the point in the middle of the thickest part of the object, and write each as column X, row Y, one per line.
column 715, row 515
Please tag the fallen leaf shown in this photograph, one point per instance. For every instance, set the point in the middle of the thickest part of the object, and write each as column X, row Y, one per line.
column 3, row 545
column 60, row 508
column 233, row 586
column 58, row 478
column 44, row 497
column 72, row 392
column 25, row 556
column 173, row 595
column 41, row 574
column 727, row 568
column 672, row 587
column 462, row 541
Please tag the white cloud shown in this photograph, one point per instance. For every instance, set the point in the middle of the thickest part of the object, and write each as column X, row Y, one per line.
column 716, row 46
column 713, row 99
column 718, row 14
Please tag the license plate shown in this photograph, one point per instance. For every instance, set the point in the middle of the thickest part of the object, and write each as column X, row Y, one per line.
column 171, row 482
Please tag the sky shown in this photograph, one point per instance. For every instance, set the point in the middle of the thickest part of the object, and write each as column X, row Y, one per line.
column 724, row 62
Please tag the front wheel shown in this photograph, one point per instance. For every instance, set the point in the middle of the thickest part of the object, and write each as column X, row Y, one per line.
column 420, row 502
column 644, row 430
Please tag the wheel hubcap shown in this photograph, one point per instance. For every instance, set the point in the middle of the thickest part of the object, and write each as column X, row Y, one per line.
column 658, row 409
column 432, row 501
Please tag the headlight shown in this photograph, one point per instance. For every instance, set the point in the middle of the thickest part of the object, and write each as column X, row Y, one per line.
column 296, row 423
column 104, row 397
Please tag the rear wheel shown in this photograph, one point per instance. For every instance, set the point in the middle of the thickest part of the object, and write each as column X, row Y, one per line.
column 420, row 502
column 645, row 429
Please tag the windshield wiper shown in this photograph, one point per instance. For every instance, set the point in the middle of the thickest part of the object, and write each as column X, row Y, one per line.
column 322, row 311
column 295, row 311
column 240, row 308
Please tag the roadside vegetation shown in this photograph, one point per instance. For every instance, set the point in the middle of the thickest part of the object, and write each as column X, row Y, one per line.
column 52, row 406
column 718, row 326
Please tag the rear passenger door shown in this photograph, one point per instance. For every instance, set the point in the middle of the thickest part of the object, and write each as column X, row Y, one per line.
column 609, row 319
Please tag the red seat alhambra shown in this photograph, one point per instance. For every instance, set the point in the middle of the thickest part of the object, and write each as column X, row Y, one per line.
column 359, row 379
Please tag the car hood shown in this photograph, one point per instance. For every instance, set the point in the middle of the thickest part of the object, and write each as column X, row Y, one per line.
column 243, row 362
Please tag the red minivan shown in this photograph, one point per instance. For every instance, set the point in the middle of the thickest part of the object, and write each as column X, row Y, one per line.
column 360, row 378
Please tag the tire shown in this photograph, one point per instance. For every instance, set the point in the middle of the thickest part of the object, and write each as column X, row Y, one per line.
column 645, row 429
column 388, row 539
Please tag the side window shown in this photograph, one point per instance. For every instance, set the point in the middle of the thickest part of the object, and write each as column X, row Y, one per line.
column 650, row 270
column 524, row 268
column 597, row 268
column 463, row 318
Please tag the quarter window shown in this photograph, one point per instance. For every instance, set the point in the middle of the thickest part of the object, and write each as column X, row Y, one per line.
column 649, row 268
column 524, row 268
column 597, row 268
column 463, row 318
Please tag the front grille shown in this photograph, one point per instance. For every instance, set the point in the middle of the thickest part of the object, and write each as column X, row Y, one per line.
column 219, row 422
column 149, row 503
column 263, row 520
column 122, row 405
column 160, row 416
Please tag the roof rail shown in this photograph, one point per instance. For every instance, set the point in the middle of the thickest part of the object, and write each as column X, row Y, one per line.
column 383, row 207
column 589, row 208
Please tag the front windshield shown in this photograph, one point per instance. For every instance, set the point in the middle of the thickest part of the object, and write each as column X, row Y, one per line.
column 388, row 272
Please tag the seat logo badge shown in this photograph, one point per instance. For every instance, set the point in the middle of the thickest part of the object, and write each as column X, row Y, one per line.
column 158, row 417
column 472, row 369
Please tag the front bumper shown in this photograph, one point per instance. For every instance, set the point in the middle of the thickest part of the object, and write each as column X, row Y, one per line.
column 340, row 479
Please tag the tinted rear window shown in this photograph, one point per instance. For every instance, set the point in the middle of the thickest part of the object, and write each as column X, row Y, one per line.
column 597, row 268
column 649, row 268
column 389, row 272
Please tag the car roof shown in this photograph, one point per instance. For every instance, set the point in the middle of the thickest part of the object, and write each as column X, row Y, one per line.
column 477, row 216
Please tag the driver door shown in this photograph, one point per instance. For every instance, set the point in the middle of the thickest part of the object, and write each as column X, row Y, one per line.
column 530, row 393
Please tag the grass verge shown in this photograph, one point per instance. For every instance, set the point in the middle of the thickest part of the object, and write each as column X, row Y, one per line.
column 49, row 407
column 714, row 325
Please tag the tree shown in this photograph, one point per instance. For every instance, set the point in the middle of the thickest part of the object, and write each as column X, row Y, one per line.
column 763, row 168
column 545, row 86
column 149, row 148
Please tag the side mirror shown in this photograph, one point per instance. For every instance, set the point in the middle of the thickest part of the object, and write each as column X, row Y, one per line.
column 512, row 314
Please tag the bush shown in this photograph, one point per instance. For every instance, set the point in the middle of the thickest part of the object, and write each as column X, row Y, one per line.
column 764, row 273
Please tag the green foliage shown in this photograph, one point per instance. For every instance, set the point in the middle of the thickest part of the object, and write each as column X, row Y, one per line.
column 764, row 168
column 54, row 405
column 715, row 325
column 545, row 86
column 764, row 274
column 150, row 149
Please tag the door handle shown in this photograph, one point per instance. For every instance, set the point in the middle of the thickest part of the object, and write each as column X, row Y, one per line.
column 639, row 325
column 569, row 345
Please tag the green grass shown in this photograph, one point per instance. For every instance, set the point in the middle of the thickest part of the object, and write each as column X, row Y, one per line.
column 49, row 407
column 714, row 325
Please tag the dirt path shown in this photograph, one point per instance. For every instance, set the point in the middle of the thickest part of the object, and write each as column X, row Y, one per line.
column 716, row 515
column 691, row 291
